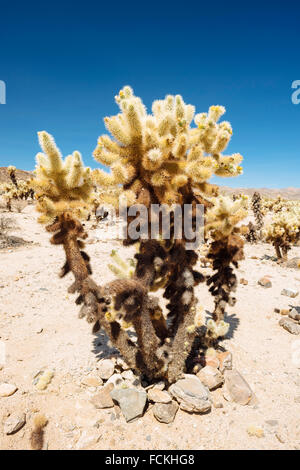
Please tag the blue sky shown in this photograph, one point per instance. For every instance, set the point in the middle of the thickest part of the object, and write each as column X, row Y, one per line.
column 64, row 62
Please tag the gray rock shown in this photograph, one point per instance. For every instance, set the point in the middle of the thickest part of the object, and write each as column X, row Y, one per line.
column 191, row 394
column 6, row 390
column 165, row 412
column 106, row 368
column 289, row 325
column 131, row 401
column 236, row 388
column 211, row 377
column 295, row 314
column 290, row 293
column 14, row 423
column 159, row 396
column 103, row 398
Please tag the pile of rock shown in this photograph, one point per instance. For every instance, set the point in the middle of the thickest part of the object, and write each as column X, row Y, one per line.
column 191, row 393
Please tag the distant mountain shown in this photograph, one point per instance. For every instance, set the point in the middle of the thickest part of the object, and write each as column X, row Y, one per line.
column 20, row 174
column 287, row 193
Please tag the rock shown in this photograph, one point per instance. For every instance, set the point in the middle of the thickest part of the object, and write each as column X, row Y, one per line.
column 284, row 311
column 236, row 388
column 117, row 380
column 131, row 379
column 293, row 263
column 14, row 423
column 92, row 381
column 191, row 394
column 243, row 281
column 217, row 399
column 265, row 282
column 297, row 399
column 131, row 401
column 122, row 364
column 290, row 293
column 289, row 325
column 272, row 422
column 295, row 314
column 255, row 431
column 159, row 396
column 211, row 377
column 159, row 385
column 165, row 412
column 103, row 398
column 88, row 438
column 106, row 368
column 211, row 361
column 6, row 390
column 225, row 359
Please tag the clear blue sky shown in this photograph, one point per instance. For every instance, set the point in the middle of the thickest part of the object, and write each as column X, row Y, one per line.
column 63, row 62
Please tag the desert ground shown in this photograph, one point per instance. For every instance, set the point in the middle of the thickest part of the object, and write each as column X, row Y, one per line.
column 40, row 331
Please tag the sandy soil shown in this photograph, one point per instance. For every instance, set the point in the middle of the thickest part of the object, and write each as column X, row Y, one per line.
column 40, row 329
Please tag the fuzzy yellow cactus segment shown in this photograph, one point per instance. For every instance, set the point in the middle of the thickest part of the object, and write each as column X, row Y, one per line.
column 225, row 214
column 61, row 185
column 162, row 149
column 217, row 330
column 121, row 268
column 44, row 379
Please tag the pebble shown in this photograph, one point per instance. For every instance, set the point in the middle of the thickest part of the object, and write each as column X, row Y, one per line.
column 272, row 422
column 159, row 396
column 106, row 368
column 211, row 377
column 191, row 394
column 225, row 359
column 131, row 401
column 293, row 263
column 243, row 281
column 14, row 423
column 103, row 398
column 236, row 388
column 290, row 293
column 117, row 380
column 130, row 378
column 92, row 381
column 265, row 282
column 295, row 314
column 290, row 326
column 165, row 412
column 6, row 390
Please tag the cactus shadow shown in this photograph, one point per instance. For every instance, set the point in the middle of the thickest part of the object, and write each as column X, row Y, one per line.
column 234, row 322
column 103, row 348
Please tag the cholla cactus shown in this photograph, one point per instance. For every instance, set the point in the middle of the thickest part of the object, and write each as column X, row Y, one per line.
column 61, row 186
column 255, row 230
column 12, row 174
column 15, row 190
column 161, row 151
column 154, row 159
column 283, row 231
column 226, row 250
